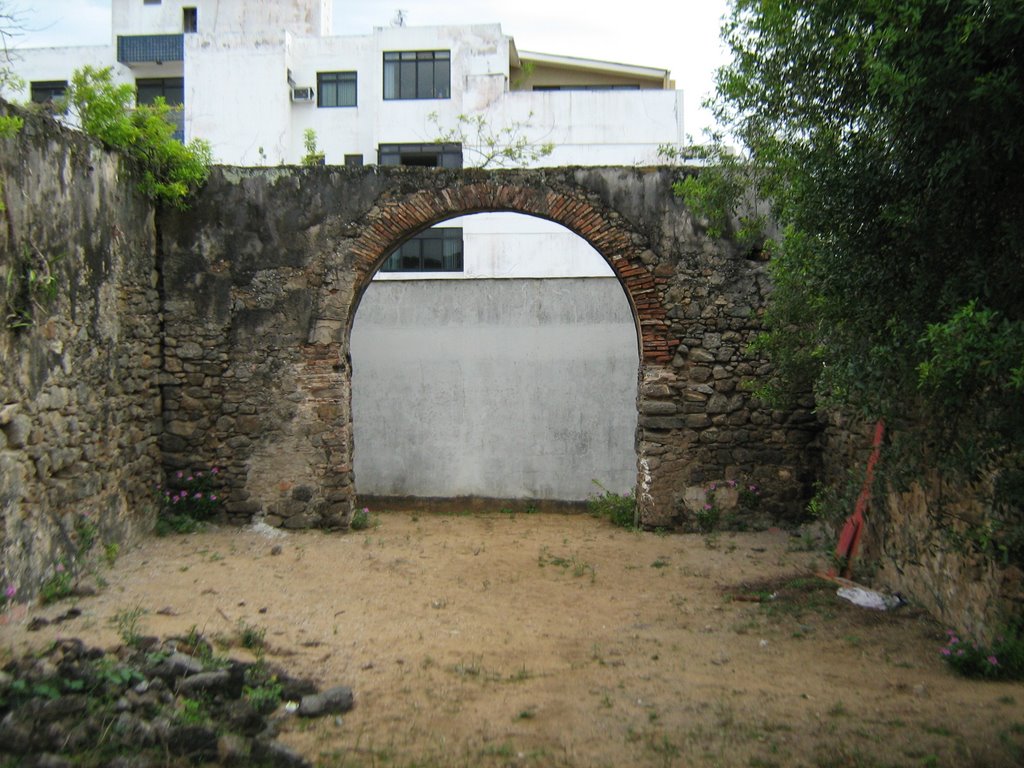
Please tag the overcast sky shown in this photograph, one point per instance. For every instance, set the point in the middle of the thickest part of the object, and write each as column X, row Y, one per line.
column 681, row 36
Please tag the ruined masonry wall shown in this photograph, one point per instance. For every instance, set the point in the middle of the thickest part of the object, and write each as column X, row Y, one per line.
column 79, row 386
column 264, row 275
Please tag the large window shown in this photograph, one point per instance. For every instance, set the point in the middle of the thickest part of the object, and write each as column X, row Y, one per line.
column 336, row 89
column 429, row 155
column 171, row 88
column 436, row 250
column 44, row 91
column 189, row 20
column 417, row 75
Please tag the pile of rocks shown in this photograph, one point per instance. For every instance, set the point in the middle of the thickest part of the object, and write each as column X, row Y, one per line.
column 152, row 703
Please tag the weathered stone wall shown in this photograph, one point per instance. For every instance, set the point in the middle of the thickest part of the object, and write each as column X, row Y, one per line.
column 263, row 277
column 914, row 540
column 79, row 395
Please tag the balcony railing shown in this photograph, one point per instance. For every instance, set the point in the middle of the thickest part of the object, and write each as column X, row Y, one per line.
column 137, row 49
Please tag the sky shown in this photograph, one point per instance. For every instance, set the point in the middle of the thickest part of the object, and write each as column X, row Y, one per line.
column 679, row 35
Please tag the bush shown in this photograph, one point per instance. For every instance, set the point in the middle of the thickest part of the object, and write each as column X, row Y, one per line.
column 1004, row 660
column 619, row 509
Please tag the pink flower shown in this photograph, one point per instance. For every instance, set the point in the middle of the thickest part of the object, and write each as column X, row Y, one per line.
column 189, row 479
column 213, row 497
column 366, row 510
column 707, row 506
column 953, row 640
column 199, row 474
column 198, row 497
column 180, row 474
column 11, row 591
column 60, row 568
column 713, row 487
column 944, row 651
column 993, row 661
column 214, row 471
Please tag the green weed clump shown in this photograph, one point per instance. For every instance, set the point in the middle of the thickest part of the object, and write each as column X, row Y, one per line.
column 619, row 509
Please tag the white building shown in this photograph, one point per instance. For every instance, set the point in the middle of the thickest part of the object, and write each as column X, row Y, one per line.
column 253, row 76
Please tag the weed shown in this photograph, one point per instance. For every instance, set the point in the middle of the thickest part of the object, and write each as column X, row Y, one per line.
column 251, row 636
column 527, row 714
column 618, row 509
column 110, row 553
column 127, row 623
column 361, row 520
column 838, row 710
column 661, row 562
column 1003, row 660
column 58, row 586
column 265, row 697
column 191, row 712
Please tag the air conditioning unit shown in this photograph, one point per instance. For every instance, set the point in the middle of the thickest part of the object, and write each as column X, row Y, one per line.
column 303, row 94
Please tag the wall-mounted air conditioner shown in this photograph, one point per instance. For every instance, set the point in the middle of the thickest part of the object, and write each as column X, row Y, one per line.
column 303, row 94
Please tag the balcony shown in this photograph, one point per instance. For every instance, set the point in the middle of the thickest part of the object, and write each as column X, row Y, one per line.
column 150, row 49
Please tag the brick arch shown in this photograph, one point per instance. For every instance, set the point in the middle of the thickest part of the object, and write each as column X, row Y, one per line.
column 396, row 220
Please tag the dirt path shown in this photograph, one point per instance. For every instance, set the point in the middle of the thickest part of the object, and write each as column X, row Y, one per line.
column 545, row 640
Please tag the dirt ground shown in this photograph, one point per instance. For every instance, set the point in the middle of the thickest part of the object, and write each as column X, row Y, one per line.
column 558, row 640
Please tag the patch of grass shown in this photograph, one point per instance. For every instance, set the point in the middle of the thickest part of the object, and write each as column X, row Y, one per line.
column 527, row 714
column 361, row 520
column 661, row 562
column 571, row 564
column 110, row 553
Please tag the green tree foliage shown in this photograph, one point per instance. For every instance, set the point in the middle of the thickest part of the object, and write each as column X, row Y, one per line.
column 888, row 136
column 171, row 171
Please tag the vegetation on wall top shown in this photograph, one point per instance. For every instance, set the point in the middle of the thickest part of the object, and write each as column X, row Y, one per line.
column 171, row 171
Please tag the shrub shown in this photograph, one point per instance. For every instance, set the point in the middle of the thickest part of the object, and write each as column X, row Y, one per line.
column 188, row 500
column 617, row 508
column 1004, row 660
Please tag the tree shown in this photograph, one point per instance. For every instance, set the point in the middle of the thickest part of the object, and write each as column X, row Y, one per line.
column 888, row 136
column 490, row 147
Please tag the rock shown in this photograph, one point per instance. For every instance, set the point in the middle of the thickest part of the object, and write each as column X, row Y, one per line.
column 194, row 741
column 334, row 700
column 176, row 665
column 233, row 749
column 278, row 755
column 203, row 682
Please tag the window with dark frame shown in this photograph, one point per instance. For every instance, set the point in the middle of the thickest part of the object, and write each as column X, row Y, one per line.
column 417, row 75
column 336, row 89
column 47, row 91
column 431, row 155
column 189, row 20
column 586, row 87
column 151, row 2
column 171, row 88
column 436, row 250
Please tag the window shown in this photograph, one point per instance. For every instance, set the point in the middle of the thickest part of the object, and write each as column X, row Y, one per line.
column 43, row 91
column 417, row 75
column 353, row 161
column 151, row 2
column 429, row 155
column 586, row 87
column 171, row 88
column 336, row 89
column 189, row 20
column 436, row 250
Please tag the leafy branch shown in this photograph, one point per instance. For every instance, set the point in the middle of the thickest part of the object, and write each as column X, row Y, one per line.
column 505, row 147
column 171, row 171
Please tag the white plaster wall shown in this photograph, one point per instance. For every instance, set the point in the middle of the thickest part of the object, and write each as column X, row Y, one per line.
column 496, row 388
column 305, row 17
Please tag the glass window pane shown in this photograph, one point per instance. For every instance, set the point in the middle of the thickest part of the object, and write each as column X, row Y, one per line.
column 390, row 80
column 407, row 87
column 442, row 80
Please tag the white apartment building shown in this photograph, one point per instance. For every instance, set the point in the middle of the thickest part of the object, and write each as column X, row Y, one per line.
column 252, row 76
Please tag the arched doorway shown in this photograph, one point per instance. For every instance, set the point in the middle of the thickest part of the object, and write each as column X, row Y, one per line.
column 504, row 370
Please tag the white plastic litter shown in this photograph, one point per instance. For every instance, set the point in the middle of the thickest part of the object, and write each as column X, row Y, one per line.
column 267, row 531
column 867, row 598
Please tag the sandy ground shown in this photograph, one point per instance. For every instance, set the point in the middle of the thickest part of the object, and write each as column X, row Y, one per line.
column 557, row 640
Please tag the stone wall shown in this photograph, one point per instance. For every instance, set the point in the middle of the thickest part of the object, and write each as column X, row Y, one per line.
column 914, row 540
column 79, row 394
column 263, row 278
